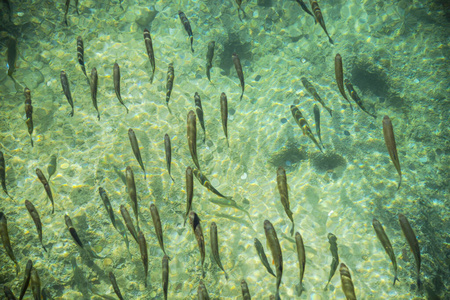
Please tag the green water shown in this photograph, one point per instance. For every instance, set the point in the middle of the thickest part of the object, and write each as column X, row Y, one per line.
column 394, row 53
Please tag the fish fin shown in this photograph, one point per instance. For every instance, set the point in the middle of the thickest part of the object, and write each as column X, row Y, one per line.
column 395, row 279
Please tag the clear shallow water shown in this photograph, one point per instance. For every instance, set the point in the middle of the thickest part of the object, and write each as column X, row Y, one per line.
column 396, row 57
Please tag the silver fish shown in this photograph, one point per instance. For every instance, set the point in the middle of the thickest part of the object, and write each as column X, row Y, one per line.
column 44, row 182
column 157, row 224
column 189, row 191
column 66, row 89
column 240, row 74
column 214, row 240
column 116, row 75
column 94, row 88
column 131, row 186
column 224, row 114
column 168, row 151
column 135, row 148
column 36, row 219
column 274, row 245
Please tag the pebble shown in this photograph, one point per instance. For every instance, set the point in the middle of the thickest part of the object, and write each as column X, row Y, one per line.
column 283, row 120
column 257, row 78
column 346, row 133
column 244, row 176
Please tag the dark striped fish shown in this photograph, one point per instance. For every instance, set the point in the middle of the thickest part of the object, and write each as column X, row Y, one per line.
column 80, row 56
column 29, row 113
column 334, row 253
column 389, row 139
column 168, row 151
column 6, row 242
column 165, row 275
column 187, row 27
column 144, row 254
column 3, row 174
column 189, row 192
column 301, row 260
column 131, row 187
column 150, row 53
column 66, row 89
column 36, row 219
column 35, row 284
column 224, row 114
column 262, row 256
column 192, row 136
column 319, row 17
column 310, row 88
column 356, row 98
column 194, row 220
column 94, row 88
column 284, row 194
column 207, row 184
column 413, row 244
column 66, row 11
column 347, row 283
column 112, row 278
column 8, row 293
column 384, row 240
column 199, row 111
column 317, row 121
column 158, row 227
column 26, row 279
column 298, row 117
column 44, row 182
column 245, row 291
column 51, row 168
column 128, row 222
column 72, row 231
column 339, row 74
column 214, row 240
column 209, row 58
column 116, row 75
column 274, row 245
column 135, row 147
column 169, row 84
column 305, row 8
column 240, row 74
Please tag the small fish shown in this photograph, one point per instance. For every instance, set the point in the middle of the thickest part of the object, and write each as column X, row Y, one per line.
column 238, row 220
column 169, row 84
column 347, row 283
column 239, row 4
column 187, row 27
column 116, row 75
column 284, row 194
column 80, row 56
column 150, row 53
column 319, row 17
column 192, row 136
column 66, row 89
column 135, row 147
column 36, row 219
column 157, row 224
column 317, row 121
column 8, row 293
column 205, row 182
column 189, row 192
column 128, row 222
column 224, row 114
column 26, row 279
column 214, row 240
column 66, row 11
column 413, row 244
column 356, row 98
column 168, row 151
column 262, row 256
column 312, row 90
column 107, row 204
column 240, row 74
column 44, row 182
column 112, row 278
column 144, row 253
column 72, row 231
column 274, row 245
column 334, row 253
column 305, row 8
column 51, row 168
column 209, row 58
column 165, row 275
column 3, row 174
column 301, row 121
column 5, row 240
column 384, row 240
column 301, row 260
column 194, row 220
column 29, row 113
column 131, row 186
column 94, row 88
column 199, row 111
column 339, row 73
column 35, row 284
column 389, row 139
column 245, row 291
column 11, row 47
column 202, row 292
column 228, row 202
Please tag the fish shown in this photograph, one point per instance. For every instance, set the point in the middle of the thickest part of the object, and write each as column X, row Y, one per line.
column 356, row 98
column 301, row 121
column 228, row 202
column 389, row 139
column 384, row 240
column 44, row 182
column 66, row 11
column 224, row 115
column 262, row 256
column 144, row 253
column 80, row 56
column 305, row 8
column 135, row 147
column 35, row 284
column 116, row 75
column 319, row 18
column 339, row 74
column 3, row 174
column 239, row 4
column 116, row 289
column 274, row 245
column 209, row 58
column 11, row 49
column 29, row 113
column 128, row 222
column 6, row 242
column 312, row 90
column 238, row 220
column 413, row 244
column 194, row 220
column 51, row 168
column 168, row 151
column 346, row 282
column 334, row 253
column 72, row 231
column 107, row 204
column 317, row 121
column 189, row 192
column 8, row 293
column 245, row 291
column 150, row 53
column 214, row 240
column 26, row 279
column 94, row 88
column 157, row 224
column 36, row 219
column 169, row 84
column 131, row 186
column 187, row 27
column 199, row 111
column 202, row 292
column 284, row 194
column 165, row 275
column 240, row 74
column 301, row 260
column 45, row 294
column 66, row 89
column 192, row 136
column 205, row 182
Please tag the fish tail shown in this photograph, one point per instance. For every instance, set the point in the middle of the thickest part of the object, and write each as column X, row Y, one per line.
column 419, row 283
column 331, row 41
column 395, row 279
column 400, row 182
column 241, row 95
column 277, row 295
